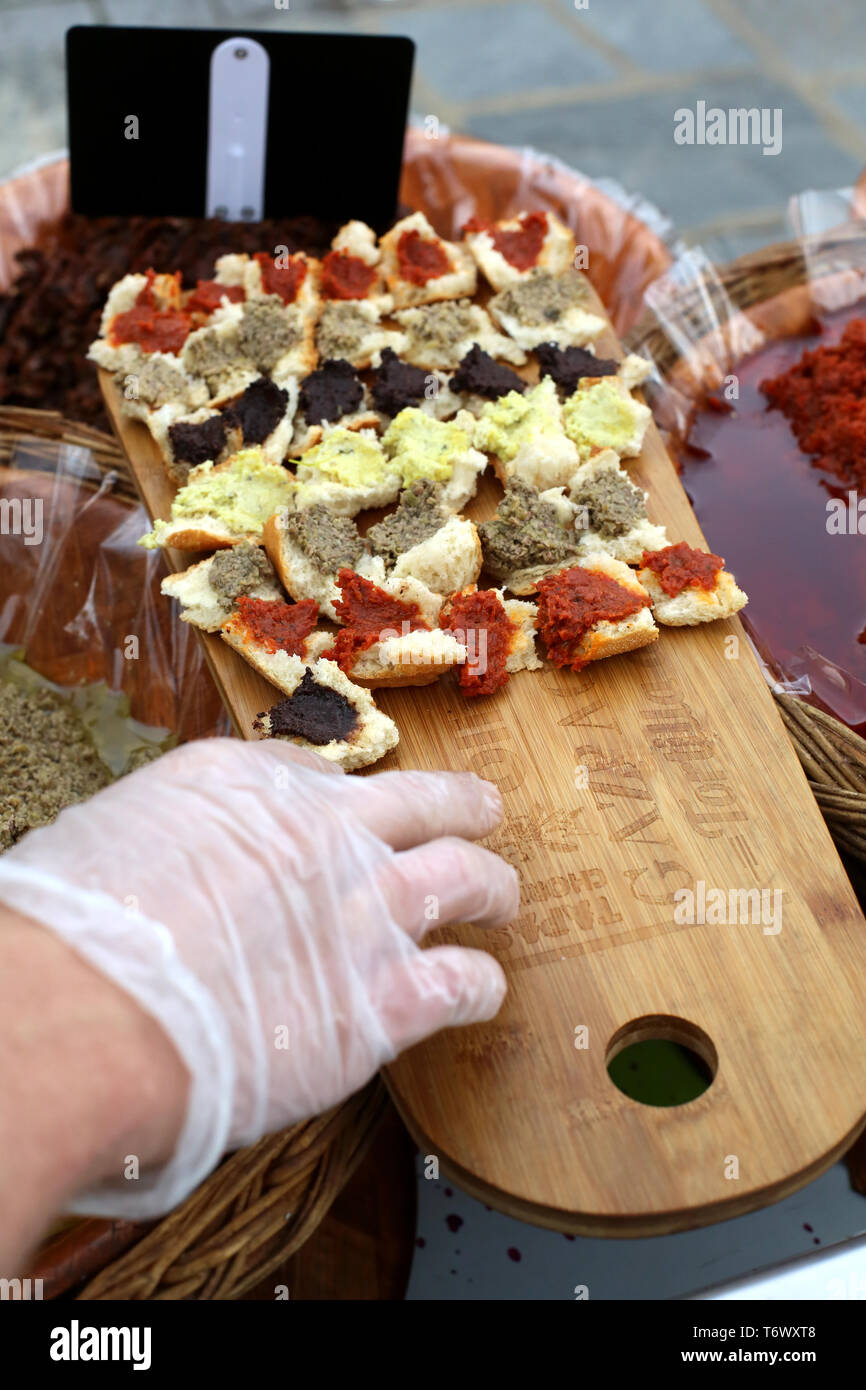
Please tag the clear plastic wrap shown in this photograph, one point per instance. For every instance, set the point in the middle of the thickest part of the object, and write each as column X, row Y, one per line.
column 451, row 178
column 82, row 600
column 714, row 334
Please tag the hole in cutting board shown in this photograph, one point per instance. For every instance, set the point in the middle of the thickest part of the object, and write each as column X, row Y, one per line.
column 661, row 1060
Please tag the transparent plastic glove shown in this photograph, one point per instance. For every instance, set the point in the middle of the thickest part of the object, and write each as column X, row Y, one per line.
column 266, row 910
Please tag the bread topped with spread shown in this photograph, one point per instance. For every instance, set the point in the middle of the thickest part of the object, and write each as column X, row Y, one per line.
column 689, row 586
column 326, row 421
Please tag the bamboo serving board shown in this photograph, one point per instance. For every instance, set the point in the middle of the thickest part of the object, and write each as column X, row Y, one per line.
column 640, row 775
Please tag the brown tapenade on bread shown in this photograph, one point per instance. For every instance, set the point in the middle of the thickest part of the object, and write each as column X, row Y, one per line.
column 530, row 536
column 209, row 590
column 610, row 511
column 324, row 711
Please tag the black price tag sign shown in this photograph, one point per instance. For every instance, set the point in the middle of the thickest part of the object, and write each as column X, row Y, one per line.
column 236, row 123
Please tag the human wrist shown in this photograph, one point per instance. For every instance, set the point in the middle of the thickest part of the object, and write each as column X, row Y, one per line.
column 91, row 1088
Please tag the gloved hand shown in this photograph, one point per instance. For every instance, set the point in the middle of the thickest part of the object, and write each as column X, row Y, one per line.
column 266, row 910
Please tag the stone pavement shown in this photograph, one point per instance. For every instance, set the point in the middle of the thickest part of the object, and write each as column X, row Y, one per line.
column 596, row 82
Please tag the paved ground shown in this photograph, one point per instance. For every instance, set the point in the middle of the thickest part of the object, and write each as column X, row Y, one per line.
column 597, row 86
column 596, row 82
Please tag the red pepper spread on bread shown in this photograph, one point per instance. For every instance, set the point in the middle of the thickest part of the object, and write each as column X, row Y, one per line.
column 571, row 603
column 154, row 329
column 420, row 259
column 209, row 294
column 680, row 567
column 368, row 614
column 481, row 623
column 278, row 626
column 346, row 277
column 519, row 246
column 284, row 280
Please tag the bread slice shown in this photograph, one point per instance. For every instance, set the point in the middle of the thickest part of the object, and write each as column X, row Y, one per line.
column 352, row 329
column 460, row 280
column 299, row 576
column 521, row 310
column 199, row 521
column 374, row 735
column 525, row 437
column 262, row 657
column 603, row 414
column 414, row 434
column 439, row 335
column 159, row 380
column 694, row 605
column 358, row 241
column 308, row 436
column 418, row 657
column 379, row 481
column 628, row 546
column 308, row 296
column 556, row 253
column 523, row 655
column 445, row 562
column 200, row 604
column 605, row 638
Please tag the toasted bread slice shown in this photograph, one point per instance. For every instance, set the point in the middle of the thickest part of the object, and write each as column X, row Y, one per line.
column 352, row 329
column 439, row 335
column 300, row 577
column 603, row 414
column 447, row 561
column 694, row 605
column 158, row 380
column 629, row 544
column 544, row 308
column 222, row 504
column 321, row 470
column 459, row 276
column 202, row 605
column 607, row 638
column 555, row 252
column 373, row 735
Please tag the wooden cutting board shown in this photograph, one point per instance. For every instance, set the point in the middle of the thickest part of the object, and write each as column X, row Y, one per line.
column 639, row 776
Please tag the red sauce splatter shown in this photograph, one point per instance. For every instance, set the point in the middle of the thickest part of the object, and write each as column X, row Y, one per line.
column 420, row 259
column 514, row 1254
column 154, row 329
column 276, row 625
column 368, row 614
column 682, row 567
column 448, row 1192
column 807, row 1227
column 286, row 281
column 346, row 277
column 572, row 602
column 454, row 1222
column 420, row 1242
column 521, row 248
column 823, row 397
column 209, row 294
column 481, row 623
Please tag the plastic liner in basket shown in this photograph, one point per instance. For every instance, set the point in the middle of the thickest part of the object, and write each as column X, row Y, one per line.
column 82, row 600
column 715, row 333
